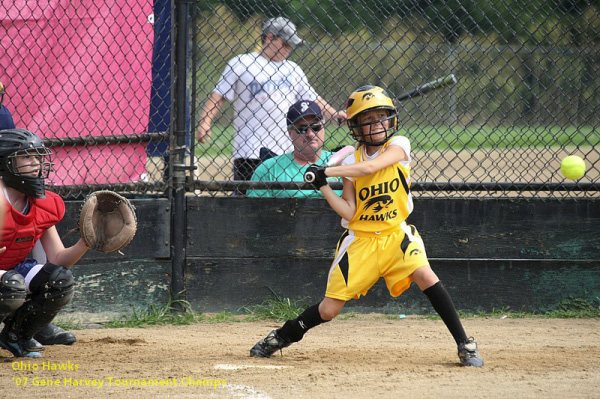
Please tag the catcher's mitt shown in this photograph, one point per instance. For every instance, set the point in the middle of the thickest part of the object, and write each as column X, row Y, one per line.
column 107, row 221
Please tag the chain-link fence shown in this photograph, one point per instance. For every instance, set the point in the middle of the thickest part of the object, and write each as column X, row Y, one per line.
column 97, row 81
column 527, row 93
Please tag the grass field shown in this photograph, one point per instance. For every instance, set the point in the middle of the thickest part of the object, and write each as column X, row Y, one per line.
column 442, row 138
column 280, row 309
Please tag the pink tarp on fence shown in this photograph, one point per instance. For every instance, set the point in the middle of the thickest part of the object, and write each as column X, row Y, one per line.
column 79, row 68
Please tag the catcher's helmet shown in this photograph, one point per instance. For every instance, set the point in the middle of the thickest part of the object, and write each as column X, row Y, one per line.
column 369, row 98
column 18, row 144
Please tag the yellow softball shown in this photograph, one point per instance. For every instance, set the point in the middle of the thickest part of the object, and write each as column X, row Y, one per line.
column 572, row 167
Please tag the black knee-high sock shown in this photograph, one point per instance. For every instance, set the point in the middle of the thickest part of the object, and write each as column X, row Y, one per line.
column 294, row 330
column 442, row 303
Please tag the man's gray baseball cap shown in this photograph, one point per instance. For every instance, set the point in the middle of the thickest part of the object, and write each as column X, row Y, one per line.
column 284, row 28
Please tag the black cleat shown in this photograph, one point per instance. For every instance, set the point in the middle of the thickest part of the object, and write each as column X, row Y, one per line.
column 54, row 335
column 32, row 345
column 468, row 354
column 269, row 345
column 12, row 343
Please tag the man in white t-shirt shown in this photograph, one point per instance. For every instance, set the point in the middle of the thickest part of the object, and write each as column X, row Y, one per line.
column 262, row 87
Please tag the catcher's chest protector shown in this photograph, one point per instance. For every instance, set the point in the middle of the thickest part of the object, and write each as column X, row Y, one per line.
column 21, row 232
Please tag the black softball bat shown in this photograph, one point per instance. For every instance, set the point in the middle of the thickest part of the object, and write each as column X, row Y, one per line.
column 427, row 87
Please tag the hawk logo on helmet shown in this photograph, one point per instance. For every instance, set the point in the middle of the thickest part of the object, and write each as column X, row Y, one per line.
column 367, row 96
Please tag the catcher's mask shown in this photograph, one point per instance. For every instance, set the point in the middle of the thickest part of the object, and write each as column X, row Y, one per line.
column 365, row 99
column 25, row 162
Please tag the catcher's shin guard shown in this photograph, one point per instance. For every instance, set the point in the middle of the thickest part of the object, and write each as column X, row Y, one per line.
column 12, row 293
column 52, row 289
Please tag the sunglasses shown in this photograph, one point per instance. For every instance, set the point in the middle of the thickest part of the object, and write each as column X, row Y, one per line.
column 315, row 127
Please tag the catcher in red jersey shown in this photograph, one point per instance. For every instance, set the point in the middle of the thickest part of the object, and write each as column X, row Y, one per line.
column 374, row 206
column 31, row 292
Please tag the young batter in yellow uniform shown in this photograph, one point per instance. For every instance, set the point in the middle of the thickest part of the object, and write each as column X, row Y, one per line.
column 377, row 243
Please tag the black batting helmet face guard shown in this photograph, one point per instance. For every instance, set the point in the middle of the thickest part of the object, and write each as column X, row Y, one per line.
column 25, row 162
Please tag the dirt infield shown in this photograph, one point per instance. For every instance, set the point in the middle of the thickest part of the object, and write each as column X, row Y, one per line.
column 364, row 357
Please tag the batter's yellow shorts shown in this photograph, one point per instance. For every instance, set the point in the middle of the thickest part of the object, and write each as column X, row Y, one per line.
column 362, row 258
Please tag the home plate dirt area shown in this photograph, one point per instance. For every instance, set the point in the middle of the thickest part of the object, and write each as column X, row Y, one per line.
column 367, row 356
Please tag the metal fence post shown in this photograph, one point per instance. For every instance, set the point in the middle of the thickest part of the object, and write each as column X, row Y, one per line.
column 178, row 155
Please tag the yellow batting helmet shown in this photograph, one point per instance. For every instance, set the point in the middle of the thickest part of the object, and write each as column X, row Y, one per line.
column 369, row 98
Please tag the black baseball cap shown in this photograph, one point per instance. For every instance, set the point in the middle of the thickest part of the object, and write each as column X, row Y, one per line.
column 283, row 28
column 302, row 109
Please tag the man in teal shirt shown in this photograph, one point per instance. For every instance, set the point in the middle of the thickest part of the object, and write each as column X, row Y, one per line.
column 305, row 127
